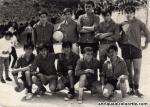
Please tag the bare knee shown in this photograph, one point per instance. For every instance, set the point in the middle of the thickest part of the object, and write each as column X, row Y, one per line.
column 34, row 79
column 27, row 73
column 52, row 88
column 82, row 81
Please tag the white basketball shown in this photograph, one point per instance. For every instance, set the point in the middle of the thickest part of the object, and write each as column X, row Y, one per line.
column 58, row 36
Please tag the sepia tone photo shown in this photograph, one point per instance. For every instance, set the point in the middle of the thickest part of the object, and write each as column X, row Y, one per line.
column 74, row 53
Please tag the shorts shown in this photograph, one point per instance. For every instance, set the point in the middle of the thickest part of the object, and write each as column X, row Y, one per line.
column 131, row 52
column 45, row 79
column 93, row 45
column 90, row 81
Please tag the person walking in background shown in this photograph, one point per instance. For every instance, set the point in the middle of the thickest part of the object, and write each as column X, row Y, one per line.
column 5, row 50
column 14, row 43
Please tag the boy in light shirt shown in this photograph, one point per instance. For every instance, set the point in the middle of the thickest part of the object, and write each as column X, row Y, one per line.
column 5, row 49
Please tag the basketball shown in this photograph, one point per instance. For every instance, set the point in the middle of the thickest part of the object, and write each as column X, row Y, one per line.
column 58, row 36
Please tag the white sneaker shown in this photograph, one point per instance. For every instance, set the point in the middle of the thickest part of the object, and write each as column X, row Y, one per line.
column 29, row 96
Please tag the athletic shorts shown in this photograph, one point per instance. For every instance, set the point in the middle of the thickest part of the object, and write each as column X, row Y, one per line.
column 90, row 81
column 131, row 52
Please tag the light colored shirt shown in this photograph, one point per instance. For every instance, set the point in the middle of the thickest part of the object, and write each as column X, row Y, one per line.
column 5, row 47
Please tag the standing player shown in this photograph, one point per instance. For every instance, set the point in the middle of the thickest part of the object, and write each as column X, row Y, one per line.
column 66, row 69
column 108, row 33
column 43, row 32
column 69, row 29
column 24, row 82
column 132, row 49
column 86, row 70
column 86, row 24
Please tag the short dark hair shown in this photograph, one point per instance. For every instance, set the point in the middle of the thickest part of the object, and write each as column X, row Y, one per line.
column 67, row 44
column 106, row 12
column 8, row 33
column 91, row 3
column 28, row 46
column 130, row 9
column 67, row 10
column 87, row 49
column 114, row 47
column 42, row 12
column 43, row 46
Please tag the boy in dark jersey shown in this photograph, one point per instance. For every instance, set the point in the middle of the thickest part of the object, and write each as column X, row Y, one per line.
column 86, row 70
column 66, row 69
column 24, row 62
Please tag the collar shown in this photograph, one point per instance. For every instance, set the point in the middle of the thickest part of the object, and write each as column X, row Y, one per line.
column 64, row 22
column 39, row 23
column 92, row 14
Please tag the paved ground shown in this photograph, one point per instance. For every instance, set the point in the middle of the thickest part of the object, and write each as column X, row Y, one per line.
column 9, row 98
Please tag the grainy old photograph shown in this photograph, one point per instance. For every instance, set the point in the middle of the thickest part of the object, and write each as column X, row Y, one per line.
column 74, row 53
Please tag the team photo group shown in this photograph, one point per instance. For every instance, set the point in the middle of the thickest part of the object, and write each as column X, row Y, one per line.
column 89, row 55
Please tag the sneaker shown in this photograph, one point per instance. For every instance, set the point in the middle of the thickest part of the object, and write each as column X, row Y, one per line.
column 80, row 101
column 131, row 92
column 2, row 80
column 8, row 79
column 137, row 93
column 69, row 97
column 29, row 96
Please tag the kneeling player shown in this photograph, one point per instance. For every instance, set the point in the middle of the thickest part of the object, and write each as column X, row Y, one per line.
column 114, row 74
column 23, row 68
column 86, row 69
column 66, row 68
column 47, row 72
